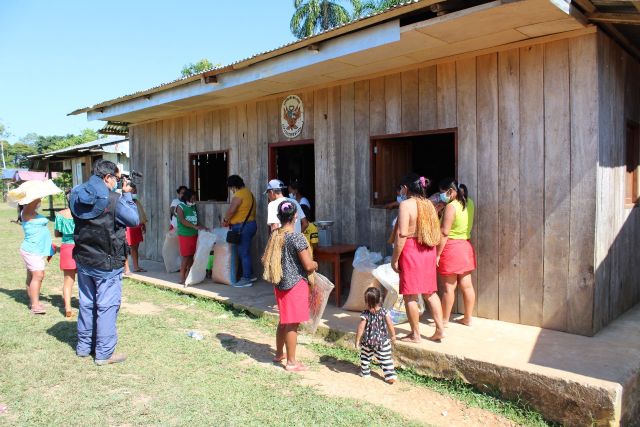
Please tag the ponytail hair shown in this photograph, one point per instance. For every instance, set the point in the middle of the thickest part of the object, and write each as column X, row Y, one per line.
column 462, row 193
column 416, row 184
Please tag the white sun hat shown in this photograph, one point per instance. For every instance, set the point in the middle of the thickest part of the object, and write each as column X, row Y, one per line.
column 29, row 191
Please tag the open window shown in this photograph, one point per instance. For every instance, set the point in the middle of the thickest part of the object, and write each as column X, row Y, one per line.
column 632, row 187
column 208, row 174
column 430, row 154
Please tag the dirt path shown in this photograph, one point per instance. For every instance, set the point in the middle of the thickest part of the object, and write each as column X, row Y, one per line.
column 340, row 379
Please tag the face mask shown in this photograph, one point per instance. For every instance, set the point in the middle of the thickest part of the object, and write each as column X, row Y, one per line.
column 134, row 196
column 292, row 196
column 401, row 198
column 190, row 203
column 444, row 198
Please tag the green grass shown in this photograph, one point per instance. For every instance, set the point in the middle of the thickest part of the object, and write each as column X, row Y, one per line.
column 168, row 379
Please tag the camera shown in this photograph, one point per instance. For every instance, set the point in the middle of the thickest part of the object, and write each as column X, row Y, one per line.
column 134, row 177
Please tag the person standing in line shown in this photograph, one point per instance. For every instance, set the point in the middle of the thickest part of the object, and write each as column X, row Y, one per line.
column 295, row 193
column 414, row 256
column 135, row 235
column 173, row 220
column 64, row 227
column 187, row 231
column 241, row 217
column 101, row 216
column 372, row 336
column 287, row 262
column 456, row 258
column 274, row 191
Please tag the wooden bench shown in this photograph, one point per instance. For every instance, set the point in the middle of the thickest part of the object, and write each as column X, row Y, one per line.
column 336, row 255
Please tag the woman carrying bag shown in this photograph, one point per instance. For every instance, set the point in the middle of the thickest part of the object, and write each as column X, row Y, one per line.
column 241, row 217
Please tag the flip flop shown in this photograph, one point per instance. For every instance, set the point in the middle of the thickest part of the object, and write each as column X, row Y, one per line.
column 38, row 310
column 278, row 359
column 299, row 367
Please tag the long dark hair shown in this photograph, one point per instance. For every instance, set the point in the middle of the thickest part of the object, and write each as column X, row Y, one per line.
column 235, row 181
column 461, row 190
column 187, row 195
column 286, row 211
column 416, row 184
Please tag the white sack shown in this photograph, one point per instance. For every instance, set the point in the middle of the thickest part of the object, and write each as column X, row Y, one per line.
column 198, row 270
column 393, row 301
column 171, row 252
column 224, row 262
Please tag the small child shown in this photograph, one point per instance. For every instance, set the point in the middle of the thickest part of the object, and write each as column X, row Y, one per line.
column 372, row 336
column 311, row 233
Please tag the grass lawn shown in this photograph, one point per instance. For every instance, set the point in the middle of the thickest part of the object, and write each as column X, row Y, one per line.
column 169, row 378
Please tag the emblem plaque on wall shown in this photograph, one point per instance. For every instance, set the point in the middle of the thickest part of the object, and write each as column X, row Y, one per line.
column 292, row 116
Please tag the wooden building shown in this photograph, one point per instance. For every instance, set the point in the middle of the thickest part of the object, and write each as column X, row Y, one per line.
column 526, row 102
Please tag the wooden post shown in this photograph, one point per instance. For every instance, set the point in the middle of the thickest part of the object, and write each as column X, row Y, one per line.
column 51, row 214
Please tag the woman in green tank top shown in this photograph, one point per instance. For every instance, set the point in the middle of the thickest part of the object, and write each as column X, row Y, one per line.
column 187, row 231
column 456, row 257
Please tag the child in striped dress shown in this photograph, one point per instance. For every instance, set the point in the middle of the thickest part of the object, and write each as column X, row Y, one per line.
column 374, row 336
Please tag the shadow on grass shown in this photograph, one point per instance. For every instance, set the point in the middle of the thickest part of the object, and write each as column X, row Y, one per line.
column 65, row 332
column 18, row 295
column 58, row 302
column 259, row 352
column 336, row 365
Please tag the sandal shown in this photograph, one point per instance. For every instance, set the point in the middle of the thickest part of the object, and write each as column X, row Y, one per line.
column 279, row 359
column 38, row 309
column 298, row 367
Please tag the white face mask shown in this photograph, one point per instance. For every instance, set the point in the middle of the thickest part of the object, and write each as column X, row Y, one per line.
column 134, row 196
column 292, row 196
column 190, row 203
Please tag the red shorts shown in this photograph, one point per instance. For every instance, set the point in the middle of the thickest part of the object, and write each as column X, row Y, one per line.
column 457, row 257
column 66, row 257
column 134, row 235
column 417, row 269
column 293, row 304
column 188, row 245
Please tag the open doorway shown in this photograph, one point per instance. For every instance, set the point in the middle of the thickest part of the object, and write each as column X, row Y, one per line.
column 430, row 154
column 294, row 162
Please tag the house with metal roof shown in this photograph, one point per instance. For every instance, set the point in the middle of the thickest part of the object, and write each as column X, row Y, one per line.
column 531, row 103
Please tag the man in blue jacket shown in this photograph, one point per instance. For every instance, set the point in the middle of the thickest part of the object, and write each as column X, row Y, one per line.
column 101, row 216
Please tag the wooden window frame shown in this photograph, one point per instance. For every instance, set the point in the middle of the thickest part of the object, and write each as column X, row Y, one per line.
column 372, row 155
column 632, row 160
column 193, row 172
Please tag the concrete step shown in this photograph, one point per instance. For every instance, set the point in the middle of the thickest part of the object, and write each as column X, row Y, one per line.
column 570, row 379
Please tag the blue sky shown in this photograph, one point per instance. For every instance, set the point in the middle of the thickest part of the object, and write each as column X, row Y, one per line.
column 57, row 56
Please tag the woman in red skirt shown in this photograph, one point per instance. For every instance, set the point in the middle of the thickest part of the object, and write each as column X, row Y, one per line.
column 64, row 227
column 414, row 256
column 456, row 258
column 135, row 235
column 287, row 262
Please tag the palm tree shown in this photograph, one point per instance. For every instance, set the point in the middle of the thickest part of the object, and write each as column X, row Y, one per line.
column 368, row 7
column 312, row 16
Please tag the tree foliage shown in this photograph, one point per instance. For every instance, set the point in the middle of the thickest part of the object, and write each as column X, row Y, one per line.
column 195, row 68
column 313, row 16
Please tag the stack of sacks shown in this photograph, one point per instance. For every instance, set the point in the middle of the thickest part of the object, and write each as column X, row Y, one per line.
column 364, row 262
column 393, row 301
column 224, row 261
column 198, row 270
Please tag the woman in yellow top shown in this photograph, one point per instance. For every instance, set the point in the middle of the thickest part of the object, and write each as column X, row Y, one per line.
column 456, row 257
column 241, row 217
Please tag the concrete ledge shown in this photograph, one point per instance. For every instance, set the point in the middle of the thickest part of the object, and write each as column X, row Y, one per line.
column 570, row 379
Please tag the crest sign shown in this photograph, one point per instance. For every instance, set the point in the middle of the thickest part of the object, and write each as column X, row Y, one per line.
column 292, row 116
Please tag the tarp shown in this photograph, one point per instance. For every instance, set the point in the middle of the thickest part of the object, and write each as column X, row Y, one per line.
column 10, row 173
column 34, row 176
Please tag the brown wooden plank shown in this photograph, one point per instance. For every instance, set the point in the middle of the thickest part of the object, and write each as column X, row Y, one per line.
column 377, row 105
column 467, row 172
column 393, row 103
column 159, row 172
column 361, row 161
column 347, row 177
column 508, row 185
column 532, row 183
column 215, row 131
column 252, row 173
column 307, row 129
column 487, row 228
column 333, row 162
column 557, row 184
column 177, row 160
column 427, row 94
column 321, row 140
column 584, row 152
column 260, row 177
column 234, row 155
column 446, row 95
column 243, row 149
column 410, row 101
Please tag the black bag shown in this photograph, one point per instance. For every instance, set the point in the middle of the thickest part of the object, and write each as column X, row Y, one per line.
column 235, row 237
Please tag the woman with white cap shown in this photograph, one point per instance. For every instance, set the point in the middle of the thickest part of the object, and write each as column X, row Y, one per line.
column 37, row 242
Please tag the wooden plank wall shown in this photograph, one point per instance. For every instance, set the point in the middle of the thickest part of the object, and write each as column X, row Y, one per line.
column 617, row 227
column 523, row 150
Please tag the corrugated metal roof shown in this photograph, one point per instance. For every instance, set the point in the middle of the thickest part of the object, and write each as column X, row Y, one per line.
column 288, row 47
column 109, row 140
column 115, row 128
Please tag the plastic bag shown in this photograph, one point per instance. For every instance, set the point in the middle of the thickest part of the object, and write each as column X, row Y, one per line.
column 319, row 290
column 171, row 252
column 393, row 301
column 224, row 260
column 364, row 262
column 198, row 270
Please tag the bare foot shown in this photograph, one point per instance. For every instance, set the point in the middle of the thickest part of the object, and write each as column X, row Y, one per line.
column 465, row 322
column 410, row 338
column 437, row 337
column 278, row 359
